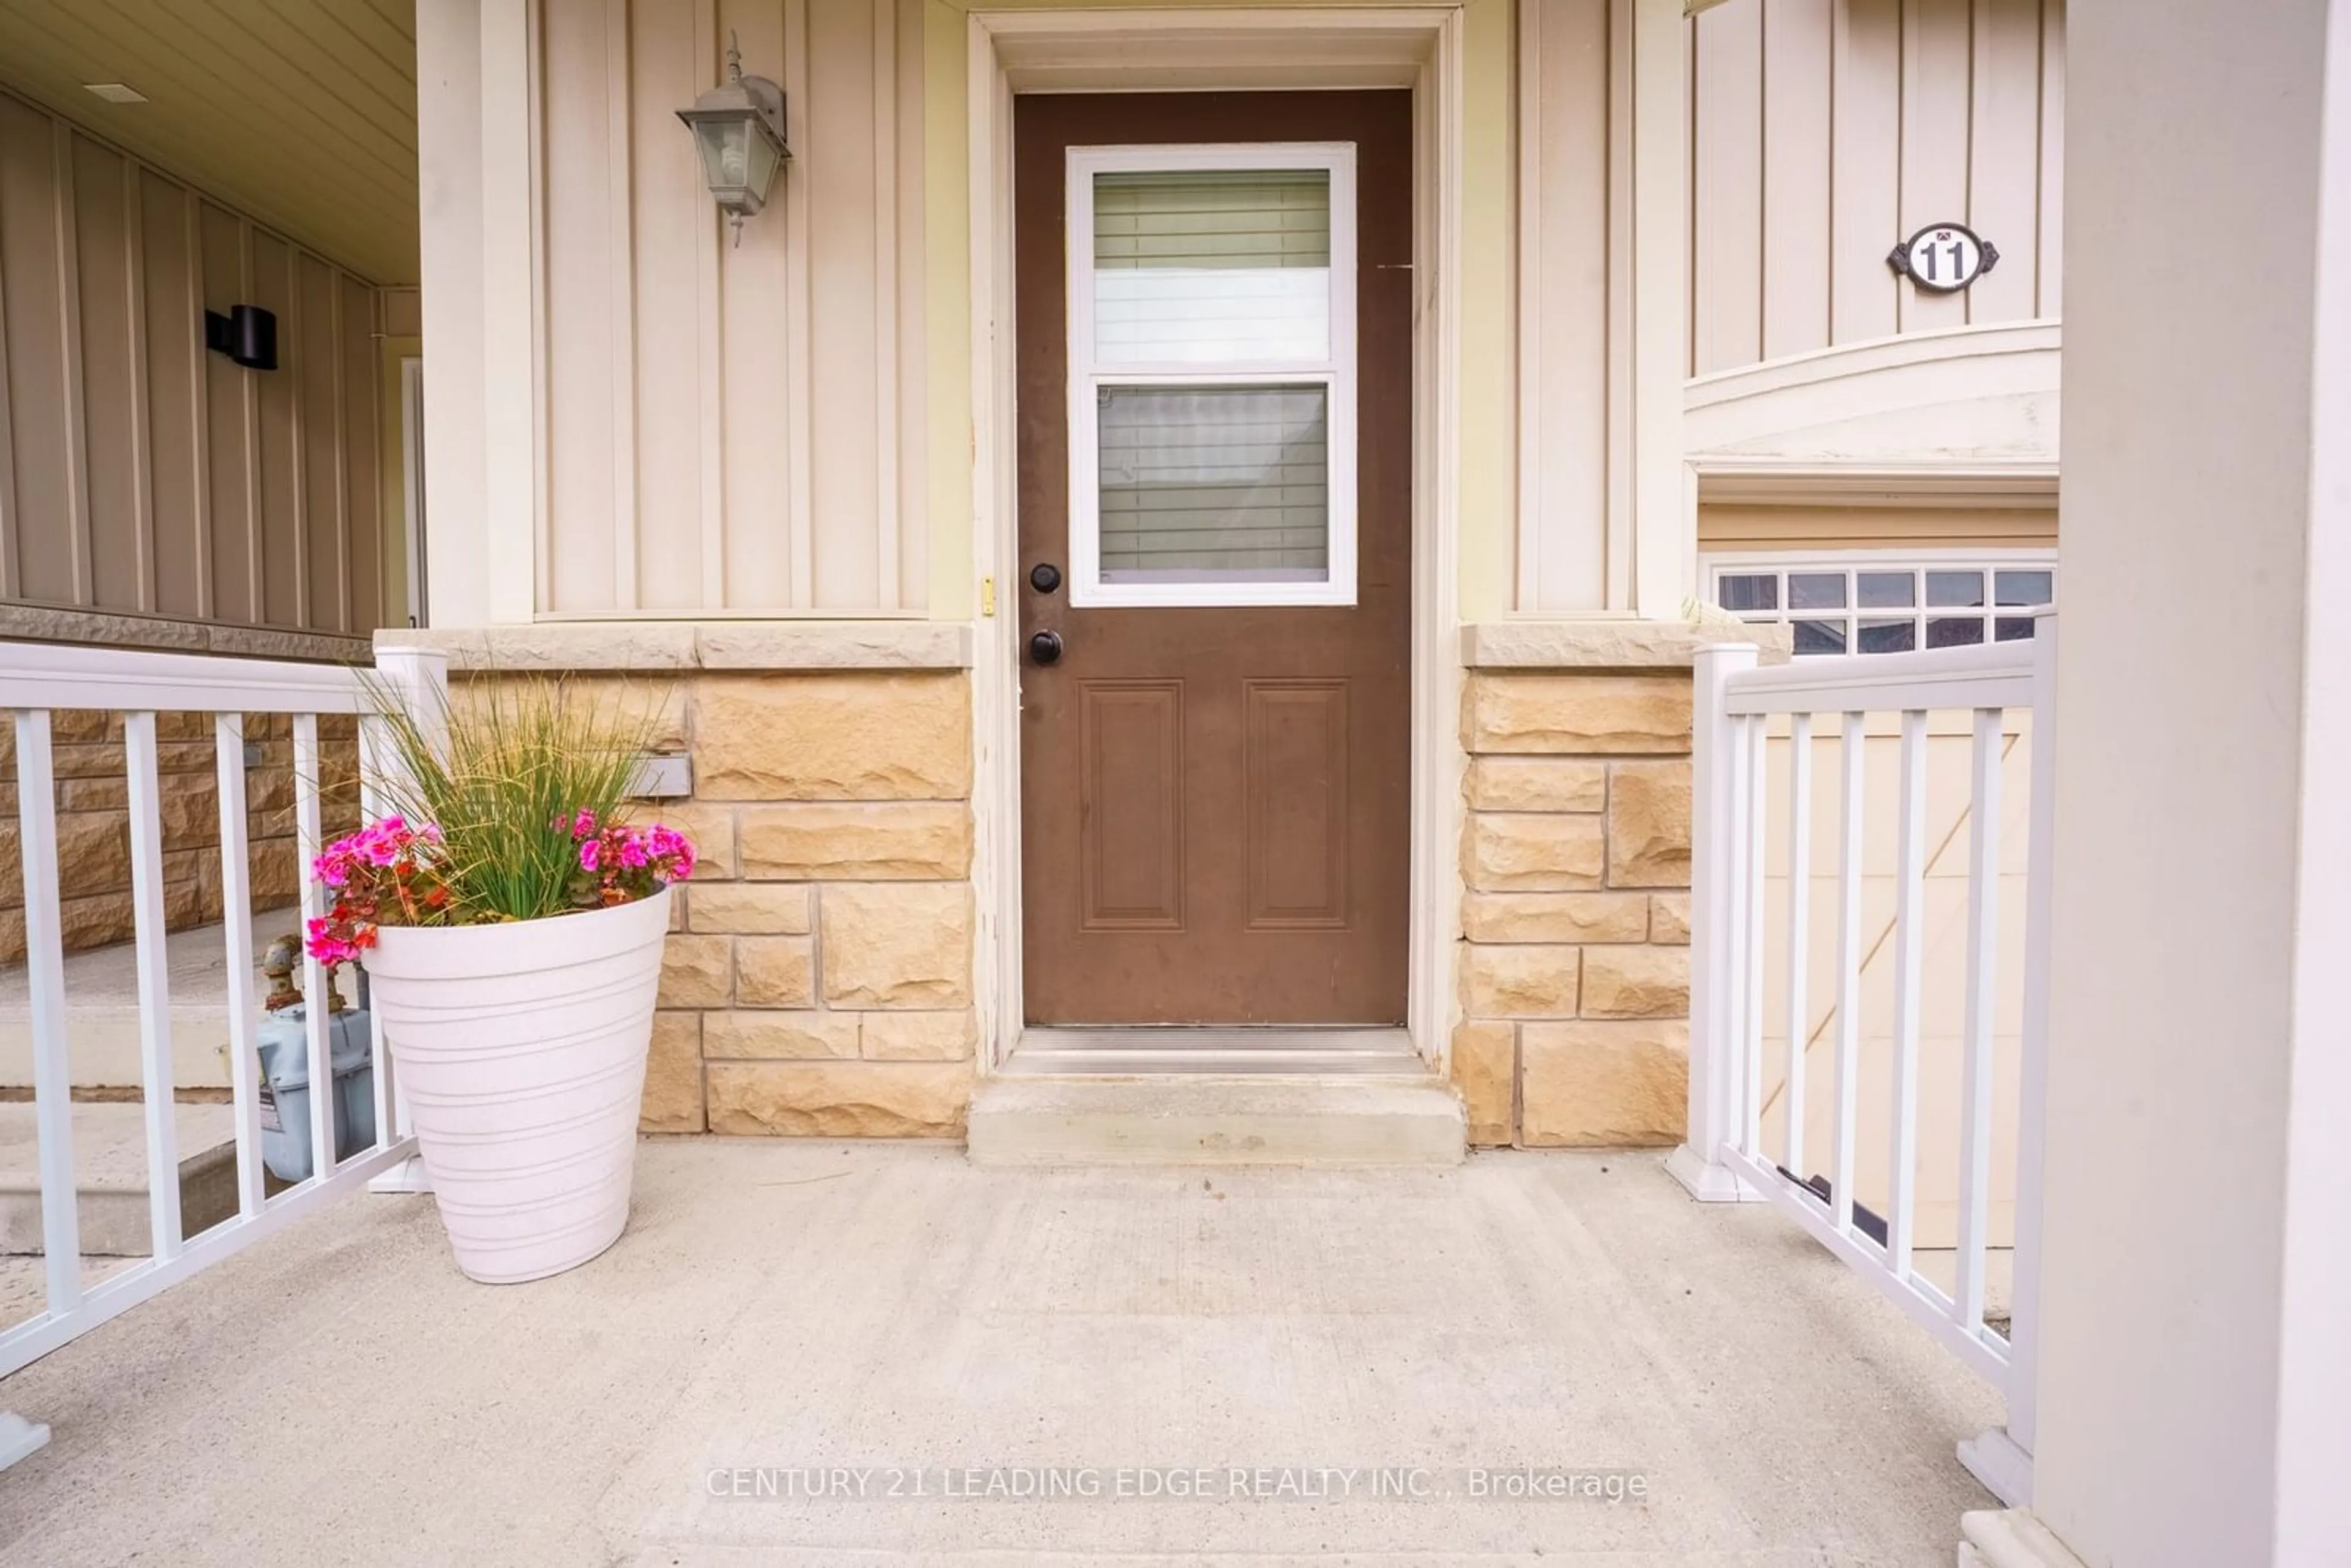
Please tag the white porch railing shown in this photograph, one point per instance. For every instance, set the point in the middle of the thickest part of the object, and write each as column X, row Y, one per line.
column 38, row 679
column 1747, row 1134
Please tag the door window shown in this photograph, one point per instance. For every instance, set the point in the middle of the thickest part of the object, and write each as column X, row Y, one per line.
column 1212, row 398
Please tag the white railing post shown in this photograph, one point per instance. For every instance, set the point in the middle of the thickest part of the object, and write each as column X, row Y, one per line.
column 2002, row 1457
column 419, row 677
column 1721, row 945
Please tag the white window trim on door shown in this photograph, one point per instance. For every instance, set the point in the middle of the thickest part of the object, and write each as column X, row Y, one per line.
column 1087, row 375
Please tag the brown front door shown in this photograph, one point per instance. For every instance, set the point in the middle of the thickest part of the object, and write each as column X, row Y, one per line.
column 1215, row 758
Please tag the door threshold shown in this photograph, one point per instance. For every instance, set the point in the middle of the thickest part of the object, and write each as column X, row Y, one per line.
column 1218, row 1051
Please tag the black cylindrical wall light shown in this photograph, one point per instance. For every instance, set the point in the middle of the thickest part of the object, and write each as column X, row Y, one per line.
column 247, row 334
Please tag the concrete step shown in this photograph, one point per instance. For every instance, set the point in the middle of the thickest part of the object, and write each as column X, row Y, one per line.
column 1314, row 1052
column 1216, row 1119
column 109, row 1160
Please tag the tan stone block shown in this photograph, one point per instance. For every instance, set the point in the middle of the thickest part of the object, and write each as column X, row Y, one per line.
column 840, row 1099
column 97, row 922
column 868, row 735
column 775, row 972
column 887, row 841
column 1486, row 1072
column 69, row 726
column 1637, row 983
column 1604, row 1085
column 1535, row 784
column 1579, row 713
column 896, row 945
column 1555, row 916
column 633, row 700
column 672, row 1102
column 11, row 936
column 736, row 1036
column 711, row 828
column 765, row 909
column 1529, row 851
column 1519, row 982
column 697, row 972
column 1650, row 824
column 1669, row 918
column 921, row 1037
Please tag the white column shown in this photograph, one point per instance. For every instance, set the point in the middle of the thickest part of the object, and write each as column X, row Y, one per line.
column 476, row 126
column 512, row 462
column 1719, row 827
column 2195, row 1272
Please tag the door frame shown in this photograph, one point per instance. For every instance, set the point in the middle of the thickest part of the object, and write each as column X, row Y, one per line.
column 1048, row 50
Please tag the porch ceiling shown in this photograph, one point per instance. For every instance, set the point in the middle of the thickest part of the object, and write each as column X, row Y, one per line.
column 303, row 115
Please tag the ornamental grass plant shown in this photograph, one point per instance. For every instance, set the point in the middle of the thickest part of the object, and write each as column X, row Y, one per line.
column 509, row 803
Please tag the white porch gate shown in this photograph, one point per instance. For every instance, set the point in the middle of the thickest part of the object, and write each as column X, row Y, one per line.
column 36, row 680
column 1754, row 965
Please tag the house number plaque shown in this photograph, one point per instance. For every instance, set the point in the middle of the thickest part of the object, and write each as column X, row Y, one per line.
column 1943, row 258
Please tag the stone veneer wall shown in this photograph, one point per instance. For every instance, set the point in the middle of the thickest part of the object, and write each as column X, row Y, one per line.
column 1575, row 860
column 94, row 822
column 819, row 974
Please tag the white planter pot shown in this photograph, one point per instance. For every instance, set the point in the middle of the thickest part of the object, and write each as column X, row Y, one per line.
column 521, row 1052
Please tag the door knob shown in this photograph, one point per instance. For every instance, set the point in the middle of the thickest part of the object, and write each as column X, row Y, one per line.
column 1045, row 647
column 1045, row 577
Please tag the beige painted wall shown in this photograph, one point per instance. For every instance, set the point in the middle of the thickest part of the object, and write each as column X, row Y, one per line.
column 1825, row 132
column 139, row 473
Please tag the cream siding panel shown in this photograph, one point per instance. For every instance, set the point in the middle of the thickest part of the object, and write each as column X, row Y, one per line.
column 1727, row 196
column 361, row 463
column 842, row 283
column 1937, row 98
column 725, row 419
column 232, row 428
column 670, row 205
column 761, row 300
column 42, row 520
column 1568, row 470
column 1866, row 168
column 173, row 310
column 278, row 409
column 140, row 474
column 111, row 416
column 1798, row 40
column 2004, row 143
column 1824, row 131
column 586, row 212
column 2052, row 270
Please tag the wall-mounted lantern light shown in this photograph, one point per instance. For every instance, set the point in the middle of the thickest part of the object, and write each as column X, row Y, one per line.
column 739, row 128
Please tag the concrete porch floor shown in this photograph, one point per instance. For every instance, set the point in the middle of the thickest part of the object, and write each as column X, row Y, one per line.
column 783, row 1305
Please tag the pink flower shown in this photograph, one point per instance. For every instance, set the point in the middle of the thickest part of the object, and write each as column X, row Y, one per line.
column 588, row 855
column 584, row 824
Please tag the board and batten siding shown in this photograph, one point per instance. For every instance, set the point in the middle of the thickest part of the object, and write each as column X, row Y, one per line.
column 730, row 428
column 1825, row 132
column 140, row 474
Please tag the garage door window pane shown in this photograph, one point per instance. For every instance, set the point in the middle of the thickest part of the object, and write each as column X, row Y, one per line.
column 1816, row 591
column 1215, row 484
column 1955, row 589
column 2021, row 588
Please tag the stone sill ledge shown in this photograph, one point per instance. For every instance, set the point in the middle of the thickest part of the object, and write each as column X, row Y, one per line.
column 42, row 624
column 1607, row 644
column 682, row 645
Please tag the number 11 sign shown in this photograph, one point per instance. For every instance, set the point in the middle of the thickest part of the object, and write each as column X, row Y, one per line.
column 1943, row 258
